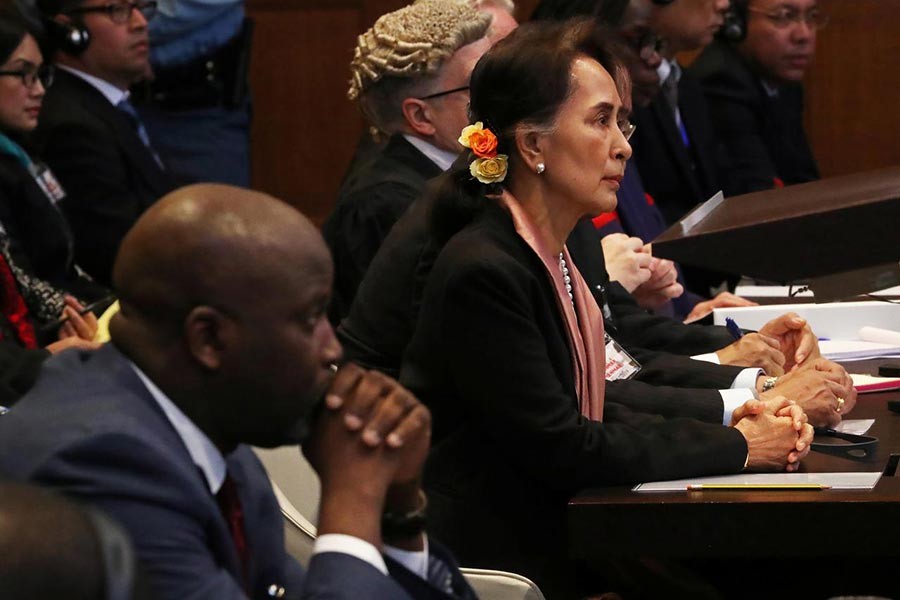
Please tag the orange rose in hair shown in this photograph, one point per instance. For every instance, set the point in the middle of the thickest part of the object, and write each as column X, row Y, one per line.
column 483, row 143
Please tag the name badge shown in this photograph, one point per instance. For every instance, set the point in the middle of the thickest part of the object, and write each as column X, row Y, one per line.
column 48, row 183
column 619, row 364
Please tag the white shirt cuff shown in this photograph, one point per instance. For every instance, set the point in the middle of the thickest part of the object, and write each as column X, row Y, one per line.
column 416, row 560
column 746, row 379
column 712, row 357
column 347, row 544
column 731, row 399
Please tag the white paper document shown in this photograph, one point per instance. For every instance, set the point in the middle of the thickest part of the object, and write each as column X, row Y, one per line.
column 855, row 426
column 867, row 384
column 782, row 291
column 837, row 481
column 701, row 212
column 880, row 335
column 847, row 350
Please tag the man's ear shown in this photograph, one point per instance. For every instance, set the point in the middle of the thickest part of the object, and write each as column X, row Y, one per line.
column 210, row 335
column 417, row 115
column 530, row 145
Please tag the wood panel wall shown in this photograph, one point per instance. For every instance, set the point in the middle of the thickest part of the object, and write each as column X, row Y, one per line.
column 305, row 129
column 853, row 89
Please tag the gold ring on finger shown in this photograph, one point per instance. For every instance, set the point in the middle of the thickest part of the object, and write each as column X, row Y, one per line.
column 840, row 405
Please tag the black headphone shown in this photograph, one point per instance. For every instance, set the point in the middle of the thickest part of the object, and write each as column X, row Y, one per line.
column 72, row 37
column 734, row 29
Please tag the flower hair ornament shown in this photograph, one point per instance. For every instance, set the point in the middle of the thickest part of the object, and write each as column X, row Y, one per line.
column 488, row 166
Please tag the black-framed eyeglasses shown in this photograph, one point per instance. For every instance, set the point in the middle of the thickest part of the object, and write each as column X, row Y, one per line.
column 31, row 75
column 463, row 88
column 787, row 16
column 119, row 12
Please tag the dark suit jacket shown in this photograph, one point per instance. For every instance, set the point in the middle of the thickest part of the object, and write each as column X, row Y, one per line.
column 632, row 325
column 762, row 135
column 40, row 238
column 372, row 199
column 19, row 368
column 490, row 358
column 383, row 318
column 110, row 177
column 91, row 429
column 677, row 177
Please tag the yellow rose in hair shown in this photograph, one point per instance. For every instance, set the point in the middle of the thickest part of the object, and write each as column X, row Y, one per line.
column 489, row 170
column 467, row 131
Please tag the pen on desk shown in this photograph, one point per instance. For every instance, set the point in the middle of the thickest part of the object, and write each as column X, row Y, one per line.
column 757, row 486
column 54, row 325
column 733, row 329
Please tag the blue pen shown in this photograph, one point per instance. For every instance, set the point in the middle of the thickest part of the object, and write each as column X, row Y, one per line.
column 733, row 329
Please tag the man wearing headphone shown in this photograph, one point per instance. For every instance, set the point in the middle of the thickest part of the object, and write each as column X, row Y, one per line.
column 89, row 132
column 752, row 78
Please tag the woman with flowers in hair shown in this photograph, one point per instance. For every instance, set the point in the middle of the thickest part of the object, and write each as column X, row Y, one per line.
column 509, row 349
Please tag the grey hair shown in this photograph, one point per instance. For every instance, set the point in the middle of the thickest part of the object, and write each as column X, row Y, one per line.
column 404, row 51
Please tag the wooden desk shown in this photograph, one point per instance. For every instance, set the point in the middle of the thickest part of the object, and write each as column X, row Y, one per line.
column 616, row 522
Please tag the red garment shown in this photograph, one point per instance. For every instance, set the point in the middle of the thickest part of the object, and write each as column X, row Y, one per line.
column 13, row 307
column 230, row 505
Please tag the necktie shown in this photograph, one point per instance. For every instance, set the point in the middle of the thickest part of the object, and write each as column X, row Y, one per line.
column 670, row 91
column 230, row 505
column 126, row 107
column 440, row 575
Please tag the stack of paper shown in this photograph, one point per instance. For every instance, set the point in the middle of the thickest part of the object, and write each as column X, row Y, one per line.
column 867, row 383
column 834, row 481
column 847, row 350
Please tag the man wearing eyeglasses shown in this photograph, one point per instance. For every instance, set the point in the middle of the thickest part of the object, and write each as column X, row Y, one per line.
column 89, row 133
column 753, row 84
column 420, row 99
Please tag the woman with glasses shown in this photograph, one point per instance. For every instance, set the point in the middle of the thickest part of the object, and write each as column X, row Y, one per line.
column 509, row 349
column 35, row 243
column 753, row 82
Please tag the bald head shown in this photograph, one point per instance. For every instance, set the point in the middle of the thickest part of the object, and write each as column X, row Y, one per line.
column 223, row 294
column 48, row 547
column 210, row 244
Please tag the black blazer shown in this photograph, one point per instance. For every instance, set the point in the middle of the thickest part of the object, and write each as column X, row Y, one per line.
column 40, row 238
column 383, row 317
column 371, row 200
column 677, row 177
column 490, row 358
column 630, row 324
column 110, row 177
column 762, row 135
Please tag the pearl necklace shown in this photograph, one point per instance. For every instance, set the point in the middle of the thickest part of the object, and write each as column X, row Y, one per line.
column 566, row 279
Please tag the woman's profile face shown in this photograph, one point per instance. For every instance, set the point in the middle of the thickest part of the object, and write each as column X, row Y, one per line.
column 20, row 103
column 585, row 154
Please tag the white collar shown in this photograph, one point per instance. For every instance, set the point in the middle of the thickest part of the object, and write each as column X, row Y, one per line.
column 666, row 68
column 109, row 91
column 663, row 70
column 442, row 158
column 770, row 88
column 203, row 452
